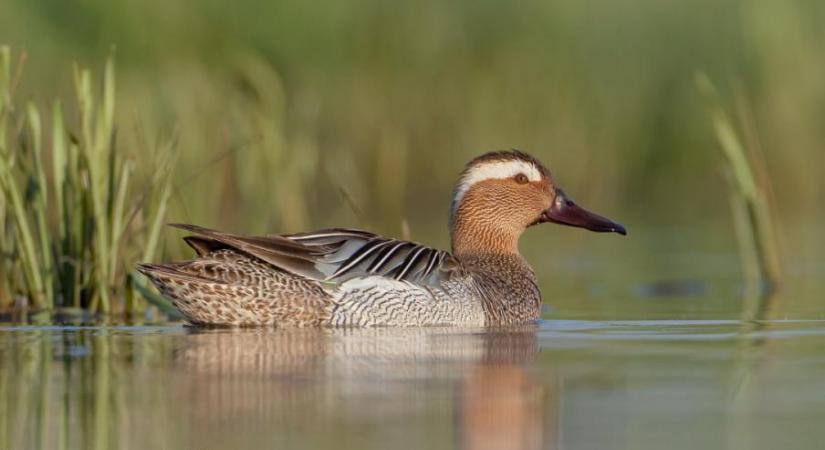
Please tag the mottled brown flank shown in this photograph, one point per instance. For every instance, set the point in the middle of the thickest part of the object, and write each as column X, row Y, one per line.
column 342, row 277
column 228, row 288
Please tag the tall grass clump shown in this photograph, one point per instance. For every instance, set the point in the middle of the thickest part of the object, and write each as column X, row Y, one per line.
column 76, row 212
column 753, row 220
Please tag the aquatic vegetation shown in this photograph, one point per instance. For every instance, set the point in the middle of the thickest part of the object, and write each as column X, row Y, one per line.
column 753, row 219
column 76, row 210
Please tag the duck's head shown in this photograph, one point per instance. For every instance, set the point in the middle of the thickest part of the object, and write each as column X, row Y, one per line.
column 501, row 194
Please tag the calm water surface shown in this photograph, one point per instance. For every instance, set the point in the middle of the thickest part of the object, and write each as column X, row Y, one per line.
column 562, row 384
column 652, row 343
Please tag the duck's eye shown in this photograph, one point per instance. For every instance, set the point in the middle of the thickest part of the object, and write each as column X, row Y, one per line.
column 521, row 178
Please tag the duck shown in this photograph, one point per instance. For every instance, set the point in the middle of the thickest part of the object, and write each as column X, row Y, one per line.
column 343, row 277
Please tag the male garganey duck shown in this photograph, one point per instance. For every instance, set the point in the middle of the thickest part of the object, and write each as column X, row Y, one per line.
column 346, row 277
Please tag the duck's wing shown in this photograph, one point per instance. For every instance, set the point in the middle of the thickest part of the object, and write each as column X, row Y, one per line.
column 333, row 255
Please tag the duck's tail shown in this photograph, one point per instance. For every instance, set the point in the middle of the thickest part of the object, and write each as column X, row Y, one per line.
column 208, row 292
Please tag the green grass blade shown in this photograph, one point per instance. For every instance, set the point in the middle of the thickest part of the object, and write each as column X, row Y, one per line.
column 153, row 298
column 5, row 247
column 25, row 233
column 40, row 205
column 59, row 164
column 754, row 222
column 94, row 154
column 118, row 217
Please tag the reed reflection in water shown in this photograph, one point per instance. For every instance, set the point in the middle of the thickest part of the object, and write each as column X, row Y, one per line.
column 170, row 388
column 676, row 384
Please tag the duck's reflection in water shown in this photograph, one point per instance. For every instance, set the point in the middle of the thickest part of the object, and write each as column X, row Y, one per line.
column 500, row 406
column 422, row 386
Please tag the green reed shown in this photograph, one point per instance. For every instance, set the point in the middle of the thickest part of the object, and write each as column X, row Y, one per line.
column 753, row 221
column 73, row 217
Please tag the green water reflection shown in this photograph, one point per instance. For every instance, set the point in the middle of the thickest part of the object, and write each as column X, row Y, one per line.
column 561, row 384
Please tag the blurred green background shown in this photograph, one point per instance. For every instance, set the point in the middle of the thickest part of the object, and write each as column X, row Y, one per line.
column 292, row 115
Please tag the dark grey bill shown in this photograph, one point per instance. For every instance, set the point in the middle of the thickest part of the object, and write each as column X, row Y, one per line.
column 566, row 212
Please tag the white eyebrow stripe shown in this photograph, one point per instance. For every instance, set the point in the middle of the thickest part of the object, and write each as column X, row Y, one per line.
column 495, row 170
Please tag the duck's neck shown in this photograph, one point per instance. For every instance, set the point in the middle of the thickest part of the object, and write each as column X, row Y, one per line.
column 471, row 236
column 489, row 249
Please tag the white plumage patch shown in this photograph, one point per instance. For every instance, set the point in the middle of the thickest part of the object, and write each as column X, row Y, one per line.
column 383, row 283
column 378, row 284
column 494, row 170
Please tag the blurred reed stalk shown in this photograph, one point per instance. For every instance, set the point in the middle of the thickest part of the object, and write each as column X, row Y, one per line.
column 753, row 220
column 72, row 220
column 758, row 241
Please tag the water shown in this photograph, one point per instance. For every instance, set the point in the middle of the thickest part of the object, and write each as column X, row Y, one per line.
column 562, row 384
column 652, row 342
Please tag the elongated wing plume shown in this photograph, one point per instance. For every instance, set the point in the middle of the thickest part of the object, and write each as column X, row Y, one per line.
column 333, row 255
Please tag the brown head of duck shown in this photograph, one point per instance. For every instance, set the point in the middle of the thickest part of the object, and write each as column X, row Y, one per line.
column 501, row 194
